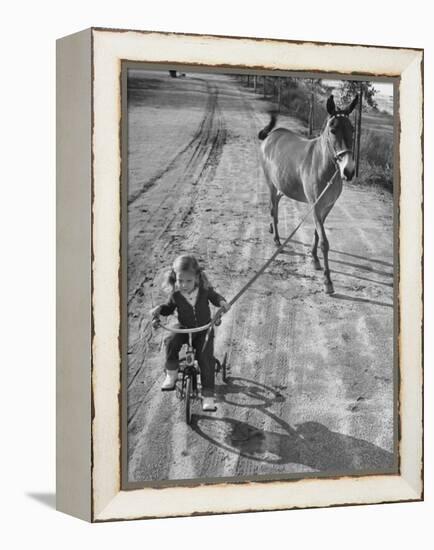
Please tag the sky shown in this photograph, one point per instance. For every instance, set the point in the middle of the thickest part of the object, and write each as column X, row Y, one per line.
column 383, row 98
column 384, row 88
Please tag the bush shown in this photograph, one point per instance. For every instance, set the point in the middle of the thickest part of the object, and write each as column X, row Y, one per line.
column 376, row 159
column 377, row 148
column 295, row 101
column 372, row 174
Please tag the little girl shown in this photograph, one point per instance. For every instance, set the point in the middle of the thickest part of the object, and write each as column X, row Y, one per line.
column 190, row 294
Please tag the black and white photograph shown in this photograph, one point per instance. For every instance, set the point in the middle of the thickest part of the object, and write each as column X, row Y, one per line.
column 259, row 255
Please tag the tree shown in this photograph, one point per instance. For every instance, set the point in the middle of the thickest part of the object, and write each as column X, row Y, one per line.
column 352, row 87
column 315, row 87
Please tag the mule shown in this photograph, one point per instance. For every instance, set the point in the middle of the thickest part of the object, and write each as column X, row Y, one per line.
column 300, row 168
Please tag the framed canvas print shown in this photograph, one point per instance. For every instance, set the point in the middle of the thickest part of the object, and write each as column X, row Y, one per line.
column 239, row 274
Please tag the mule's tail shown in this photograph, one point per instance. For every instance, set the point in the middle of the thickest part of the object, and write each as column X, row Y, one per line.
column 265, row 131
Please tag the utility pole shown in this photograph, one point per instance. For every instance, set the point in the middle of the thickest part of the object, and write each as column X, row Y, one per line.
column 355, row 134
column 311, row 109
column 359, row 128
column 279, row 91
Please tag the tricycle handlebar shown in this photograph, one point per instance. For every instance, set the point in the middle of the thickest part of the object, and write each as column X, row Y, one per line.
column 185, row 330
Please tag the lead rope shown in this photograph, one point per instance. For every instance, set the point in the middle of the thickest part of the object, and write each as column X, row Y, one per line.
column 267, row 263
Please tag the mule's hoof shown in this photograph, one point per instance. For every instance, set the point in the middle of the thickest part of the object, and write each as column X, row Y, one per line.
column 277, row 242
column 316, row 264
column 328, row 288
column 271, row 228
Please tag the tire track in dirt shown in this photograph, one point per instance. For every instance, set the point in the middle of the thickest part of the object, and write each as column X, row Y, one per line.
column 201, row 166
column 247, row 240
column 196, row 166
column 186, row 160
column 201, row 154
column 235, row 464
column 199, row 138
column 190, row 244
column 258, row 420
column 249, row 264
column 360, row 349
column 320, row 339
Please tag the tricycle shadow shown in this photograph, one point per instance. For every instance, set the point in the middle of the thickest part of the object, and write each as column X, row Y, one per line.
column 309, row 444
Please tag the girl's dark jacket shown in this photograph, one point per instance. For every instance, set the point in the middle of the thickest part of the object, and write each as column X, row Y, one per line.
column 189, row 316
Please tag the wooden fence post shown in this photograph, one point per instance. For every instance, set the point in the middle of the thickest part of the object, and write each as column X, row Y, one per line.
column 279, row 92
column 359, row 129
column 311, row 109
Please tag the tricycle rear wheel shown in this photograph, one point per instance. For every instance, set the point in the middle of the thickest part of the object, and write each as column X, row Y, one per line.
column 223, row 367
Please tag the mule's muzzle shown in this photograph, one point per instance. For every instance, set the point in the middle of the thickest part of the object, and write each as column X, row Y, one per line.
column 348, row 173
column 347, row 166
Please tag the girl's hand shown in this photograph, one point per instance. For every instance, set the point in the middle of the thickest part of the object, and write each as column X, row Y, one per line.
column 224, row 308
column 155, row 311
column 156, row 322
column 224, row 305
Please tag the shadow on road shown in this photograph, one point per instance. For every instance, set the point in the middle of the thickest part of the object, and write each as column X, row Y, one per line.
column 371, row 260
column 363, row 267
column 309, row 444
column 357, row 299
column 390, row 285
column 239, row 390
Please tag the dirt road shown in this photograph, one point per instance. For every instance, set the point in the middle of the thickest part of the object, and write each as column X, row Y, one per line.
column 311, row 375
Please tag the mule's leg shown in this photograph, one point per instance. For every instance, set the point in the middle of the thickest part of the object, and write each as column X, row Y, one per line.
column 272, row 203
column 314, row 251
column 324, row 244
column 275, row 197
column 271, row 230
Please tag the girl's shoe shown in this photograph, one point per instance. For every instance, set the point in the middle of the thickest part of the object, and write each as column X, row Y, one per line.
column 170, row 380
column 208, row 404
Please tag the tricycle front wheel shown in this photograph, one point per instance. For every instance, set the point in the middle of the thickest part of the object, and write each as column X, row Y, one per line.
column 188, row 400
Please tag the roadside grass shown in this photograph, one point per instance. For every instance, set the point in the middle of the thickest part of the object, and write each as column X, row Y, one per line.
column 378, row 121
column 376, row 151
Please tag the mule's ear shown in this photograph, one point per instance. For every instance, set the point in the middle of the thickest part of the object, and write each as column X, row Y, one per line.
column 331, row 107
column 350, row 109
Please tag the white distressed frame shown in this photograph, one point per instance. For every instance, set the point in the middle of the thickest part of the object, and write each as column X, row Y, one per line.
column 108, row 502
